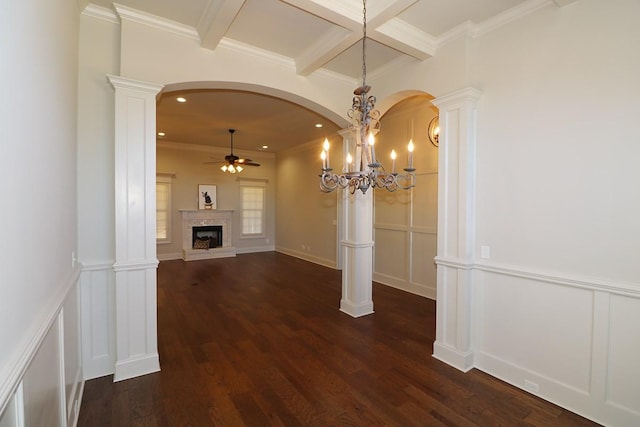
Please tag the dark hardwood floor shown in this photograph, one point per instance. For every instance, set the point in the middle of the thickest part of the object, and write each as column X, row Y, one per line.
column 258, row 340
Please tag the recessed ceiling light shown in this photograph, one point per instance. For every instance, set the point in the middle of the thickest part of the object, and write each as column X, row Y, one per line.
column 181, row 99
column 264, row 147
column 161, row 134
column 318, row 125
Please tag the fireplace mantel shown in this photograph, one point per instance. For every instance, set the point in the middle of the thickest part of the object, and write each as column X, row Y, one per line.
column 204, row 217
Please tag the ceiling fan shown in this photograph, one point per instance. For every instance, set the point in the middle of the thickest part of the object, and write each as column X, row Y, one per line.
column 233, row 163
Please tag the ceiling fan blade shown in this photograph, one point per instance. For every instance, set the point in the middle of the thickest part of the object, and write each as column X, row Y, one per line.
column 251, row 164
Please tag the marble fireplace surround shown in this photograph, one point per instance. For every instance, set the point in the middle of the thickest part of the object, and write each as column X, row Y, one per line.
column 206, row 217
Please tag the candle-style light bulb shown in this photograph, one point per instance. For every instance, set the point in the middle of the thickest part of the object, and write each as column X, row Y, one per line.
column 349, row 160
column 393, row 161
column 410, row 149
column 371, row 140
column 323, row 156
column 325, row 146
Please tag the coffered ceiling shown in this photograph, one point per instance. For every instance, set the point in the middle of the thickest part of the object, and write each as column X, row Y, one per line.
column 314, row 34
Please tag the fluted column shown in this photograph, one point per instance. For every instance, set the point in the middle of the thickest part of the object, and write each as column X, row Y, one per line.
column 135, row 234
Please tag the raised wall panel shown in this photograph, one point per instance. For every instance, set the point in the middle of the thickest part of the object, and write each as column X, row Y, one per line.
column 423, row 267
column 42, row 383
column 12, row 415
column 425, row 201
column 623, row 379
column 391, row 257
column 97, row 305
column 575, row 339
column 539, row 327
column 391, row 207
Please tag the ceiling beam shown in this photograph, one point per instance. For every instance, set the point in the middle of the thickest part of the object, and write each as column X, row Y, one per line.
column 216, row 20
column 382, row 25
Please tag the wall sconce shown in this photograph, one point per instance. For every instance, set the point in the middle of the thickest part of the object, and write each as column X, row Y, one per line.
column 434, row 131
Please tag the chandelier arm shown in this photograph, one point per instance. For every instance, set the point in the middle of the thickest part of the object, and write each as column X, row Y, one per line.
column 365, row 121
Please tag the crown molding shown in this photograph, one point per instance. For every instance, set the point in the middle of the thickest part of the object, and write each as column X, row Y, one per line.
column 508, row 16
column 102, row 13
column 156, row 22
column 184, row 146
column 262, row 54
column 471, row 29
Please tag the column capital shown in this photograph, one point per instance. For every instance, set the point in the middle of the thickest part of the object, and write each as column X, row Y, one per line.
column 468, row 94
column 119, row 82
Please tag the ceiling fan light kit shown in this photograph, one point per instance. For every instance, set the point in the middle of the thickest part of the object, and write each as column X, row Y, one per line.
column 233, row 163
column 366, row 172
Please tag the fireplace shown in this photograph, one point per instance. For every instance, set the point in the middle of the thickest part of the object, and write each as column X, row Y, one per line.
column 206, row 235
column 200, row 225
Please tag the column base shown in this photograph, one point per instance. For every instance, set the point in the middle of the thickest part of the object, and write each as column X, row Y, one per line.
column 136, row 366
column 356, row 310
column 453, row 357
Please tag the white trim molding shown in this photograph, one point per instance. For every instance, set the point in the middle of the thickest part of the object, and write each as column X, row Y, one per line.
column 135, row 229
column 456, row 226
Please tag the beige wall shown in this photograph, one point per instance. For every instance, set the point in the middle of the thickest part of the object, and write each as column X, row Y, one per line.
column 190, row 170
column 405, row 222
column 305, row 216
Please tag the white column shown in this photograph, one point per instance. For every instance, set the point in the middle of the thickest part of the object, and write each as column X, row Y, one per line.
column 135, row 205
column 456, row 227
column 357, row 246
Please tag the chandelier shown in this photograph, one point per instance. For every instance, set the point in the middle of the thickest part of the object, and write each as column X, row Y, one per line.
column 364, row 171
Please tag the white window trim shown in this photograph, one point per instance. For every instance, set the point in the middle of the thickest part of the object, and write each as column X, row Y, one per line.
column 252, row 182
column 166, row 179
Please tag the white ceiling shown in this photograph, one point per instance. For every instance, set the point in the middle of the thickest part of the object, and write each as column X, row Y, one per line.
column 315, row 34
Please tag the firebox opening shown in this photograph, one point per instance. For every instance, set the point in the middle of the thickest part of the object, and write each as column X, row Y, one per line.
column 210, row 233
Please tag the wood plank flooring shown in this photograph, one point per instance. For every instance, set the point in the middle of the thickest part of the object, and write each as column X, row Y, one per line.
column 258, row 340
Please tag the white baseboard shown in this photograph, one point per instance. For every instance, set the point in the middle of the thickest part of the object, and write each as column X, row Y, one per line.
column 307, row 257
column 170, row 256
column 398, row 283
column 255, row 249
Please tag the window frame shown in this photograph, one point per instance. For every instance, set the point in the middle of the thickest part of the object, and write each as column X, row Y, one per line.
column 165, row 180
column 262, row 186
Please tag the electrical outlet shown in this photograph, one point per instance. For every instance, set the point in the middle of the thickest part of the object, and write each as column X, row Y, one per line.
column 530, row 386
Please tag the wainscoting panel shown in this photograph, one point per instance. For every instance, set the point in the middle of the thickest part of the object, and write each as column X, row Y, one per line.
column 568, row 340
column 423, row 267
column 391, row 258
column 43, row 388
column 623, row 379
column 48, row 377
column 97, row 314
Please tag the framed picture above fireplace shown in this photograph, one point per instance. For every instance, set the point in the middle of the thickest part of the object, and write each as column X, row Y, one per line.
column 207, row 196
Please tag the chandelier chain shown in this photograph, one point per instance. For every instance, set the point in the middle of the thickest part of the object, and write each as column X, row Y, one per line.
column 364, row 42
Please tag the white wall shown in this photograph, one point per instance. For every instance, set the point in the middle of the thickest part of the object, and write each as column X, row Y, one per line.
column 39, row 367
column 98, row 56
column 306, row 218
column 558, row 207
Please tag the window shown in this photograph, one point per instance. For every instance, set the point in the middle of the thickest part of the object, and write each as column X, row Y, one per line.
column 163, row 209
column 252, row 198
